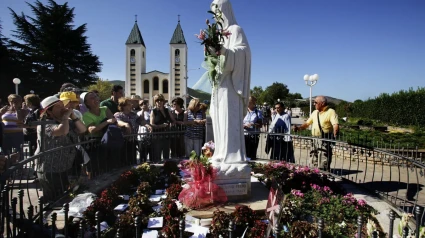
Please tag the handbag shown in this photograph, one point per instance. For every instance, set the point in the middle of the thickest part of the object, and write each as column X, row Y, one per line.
column 113, row 138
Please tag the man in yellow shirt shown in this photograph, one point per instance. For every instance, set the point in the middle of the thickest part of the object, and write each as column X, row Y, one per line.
column 325, row 125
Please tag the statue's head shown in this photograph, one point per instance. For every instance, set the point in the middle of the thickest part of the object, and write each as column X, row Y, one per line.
column 226, row 8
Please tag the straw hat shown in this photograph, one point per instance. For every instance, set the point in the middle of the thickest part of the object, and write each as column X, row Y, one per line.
column 48, row 102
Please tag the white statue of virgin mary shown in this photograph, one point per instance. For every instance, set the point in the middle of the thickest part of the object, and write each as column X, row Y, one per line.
column 230, row 97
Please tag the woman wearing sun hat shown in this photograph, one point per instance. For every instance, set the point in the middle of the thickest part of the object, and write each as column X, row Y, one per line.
column 53, row 167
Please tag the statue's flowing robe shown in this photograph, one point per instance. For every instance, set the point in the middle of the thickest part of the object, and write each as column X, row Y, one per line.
column 229, row 98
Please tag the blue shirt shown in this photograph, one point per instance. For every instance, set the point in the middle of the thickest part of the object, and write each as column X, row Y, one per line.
column 255, row 116
column 281, row 123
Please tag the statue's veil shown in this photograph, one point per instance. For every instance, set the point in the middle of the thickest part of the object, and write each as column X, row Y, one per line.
column 203, row 83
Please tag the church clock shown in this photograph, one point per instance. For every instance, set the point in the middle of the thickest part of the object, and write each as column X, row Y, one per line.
column 132, row 60
column 177, row 59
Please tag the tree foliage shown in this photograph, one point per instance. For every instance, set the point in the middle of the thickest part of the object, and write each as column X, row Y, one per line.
column 50, row 50
column 103, row 86
column 256, row 92
column 276, row 91
column 400, row 108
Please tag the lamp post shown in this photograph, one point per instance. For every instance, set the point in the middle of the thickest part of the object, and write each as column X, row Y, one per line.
column 16, row 81
column 311, row 80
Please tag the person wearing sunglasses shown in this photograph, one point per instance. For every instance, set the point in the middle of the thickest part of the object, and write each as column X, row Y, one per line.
column 325, row 125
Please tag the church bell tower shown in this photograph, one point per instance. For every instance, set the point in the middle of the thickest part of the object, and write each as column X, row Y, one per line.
column 135, row 51
column 178, row 63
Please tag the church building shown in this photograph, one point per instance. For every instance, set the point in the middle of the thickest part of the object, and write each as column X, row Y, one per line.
column 148, row 84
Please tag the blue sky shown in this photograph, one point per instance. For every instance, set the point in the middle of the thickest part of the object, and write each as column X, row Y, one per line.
column 359, row 48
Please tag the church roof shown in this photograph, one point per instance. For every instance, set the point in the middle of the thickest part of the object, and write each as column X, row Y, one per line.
column 135, row 36
column 178, row 37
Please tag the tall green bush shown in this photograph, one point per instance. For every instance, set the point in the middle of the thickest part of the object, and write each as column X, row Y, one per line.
column 404, row 108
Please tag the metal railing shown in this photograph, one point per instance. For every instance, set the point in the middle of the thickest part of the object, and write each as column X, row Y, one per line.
column 398, row 178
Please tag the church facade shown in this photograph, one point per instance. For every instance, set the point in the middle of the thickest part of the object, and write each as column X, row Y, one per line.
column 148, row 84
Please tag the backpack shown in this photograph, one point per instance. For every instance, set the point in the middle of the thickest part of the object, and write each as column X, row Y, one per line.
column 113, row 138
column 258, row 119
column 266, row 111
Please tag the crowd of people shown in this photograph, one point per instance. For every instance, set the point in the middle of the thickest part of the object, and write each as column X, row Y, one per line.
column 73, row 116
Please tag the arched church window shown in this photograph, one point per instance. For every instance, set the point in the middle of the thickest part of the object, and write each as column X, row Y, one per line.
column 155, row 83
column 132, row 52
column 165, row 86
column 143, row 54
column 177, row 52
column 146, row 86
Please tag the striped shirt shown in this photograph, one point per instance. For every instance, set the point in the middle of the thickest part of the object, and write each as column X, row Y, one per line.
column 195, row 131
column 10, row 121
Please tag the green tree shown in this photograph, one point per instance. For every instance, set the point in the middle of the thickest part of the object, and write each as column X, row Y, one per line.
column 256, row 92
column 274, row 92
column 6, row 68
column 103, row 86
column 51, row 50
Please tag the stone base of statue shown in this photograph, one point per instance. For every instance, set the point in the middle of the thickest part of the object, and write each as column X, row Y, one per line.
column 235, row 179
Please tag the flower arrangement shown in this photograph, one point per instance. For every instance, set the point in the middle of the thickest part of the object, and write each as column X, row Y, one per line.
column 212, row 38
column 309, row 195
column 208, row 149
column 174, row 190
column 243, row 217
column 200, row 191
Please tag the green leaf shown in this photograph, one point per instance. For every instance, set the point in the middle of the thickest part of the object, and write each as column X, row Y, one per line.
column 193, row 155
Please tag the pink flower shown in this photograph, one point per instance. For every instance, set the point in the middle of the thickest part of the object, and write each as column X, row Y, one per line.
column 362, row 202
column 226, row 34
column 297, row 193
column 316, row 187
column 201, row 35
column 327, row 189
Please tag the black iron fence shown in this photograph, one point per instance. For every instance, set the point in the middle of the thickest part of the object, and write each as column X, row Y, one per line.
column 33, row 184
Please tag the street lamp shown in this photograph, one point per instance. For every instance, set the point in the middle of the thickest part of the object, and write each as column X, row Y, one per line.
column 311, row 80
column 16, row 81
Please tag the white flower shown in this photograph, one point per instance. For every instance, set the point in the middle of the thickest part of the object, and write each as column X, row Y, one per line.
column 371, row 227
column 342, row 224
column 403, row 222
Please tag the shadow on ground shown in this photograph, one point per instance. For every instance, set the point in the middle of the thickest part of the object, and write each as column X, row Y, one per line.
column 393, row 186
column 344, row 172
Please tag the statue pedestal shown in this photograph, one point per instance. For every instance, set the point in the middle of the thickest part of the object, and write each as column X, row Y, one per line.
column 235, row 179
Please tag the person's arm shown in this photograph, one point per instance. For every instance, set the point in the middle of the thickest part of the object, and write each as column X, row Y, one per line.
column 203, row 121
column 121, row 123
column 173, row 120
column 21, row 114
column 93, row 129
column 63, row 128
column 305, row 125
column 3, row 110
column 153, row 122
column 336, row 129
column 334, row 121
column 80, row 128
